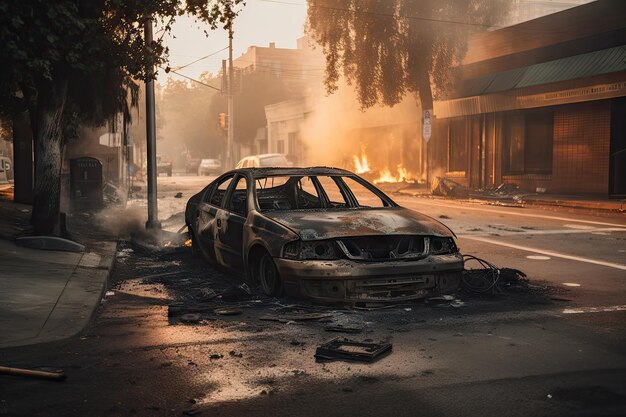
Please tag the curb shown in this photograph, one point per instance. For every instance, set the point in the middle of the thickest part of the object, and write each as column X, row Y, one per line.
column 608, row 206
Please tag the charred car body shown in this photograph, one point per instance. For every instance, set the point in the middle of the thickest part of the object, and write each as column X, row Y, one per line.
column 321, row 233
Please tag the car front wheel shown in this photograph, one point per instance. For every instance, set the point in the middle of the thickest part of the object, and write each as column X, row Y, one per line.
column 267, row 275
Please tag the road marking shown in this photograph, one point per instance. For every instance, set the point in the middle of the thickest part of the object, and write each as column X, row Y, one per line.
column 604, row 230
column 512, row 213
column 571, row 284
column 581, row 310
column 548, row 253
column 539, row 257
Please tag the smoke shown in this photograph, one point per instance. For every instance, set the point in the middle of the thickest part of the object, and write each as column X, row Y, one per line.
column 121, row 222
column 337, row 130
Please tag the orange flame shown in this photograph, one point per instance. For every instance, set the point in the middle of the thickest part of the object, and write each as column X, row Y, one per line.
column 403, row 175
column 361, row 164
column 187, row 242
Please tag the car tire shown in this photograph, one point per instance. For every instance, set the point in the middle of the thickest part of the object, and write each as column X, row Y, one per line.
column 267, row 276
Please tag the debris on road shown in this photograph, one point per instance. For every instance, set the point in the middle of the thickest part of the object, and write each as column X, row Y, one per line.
column 191, row 318
column 489, row 279
column 227, row 311
column 345, row 349
column 343, row 328
column 178, row 195
column 33, row 373
column 284, row 318
column 207, row 294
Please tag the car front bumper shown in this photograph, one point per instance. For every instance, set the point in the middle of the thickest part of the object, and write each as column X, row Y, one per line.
column 358, row 282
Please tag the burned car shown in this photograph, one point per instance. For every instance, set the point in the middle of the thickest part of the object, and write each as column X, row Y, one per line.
column 321, row 233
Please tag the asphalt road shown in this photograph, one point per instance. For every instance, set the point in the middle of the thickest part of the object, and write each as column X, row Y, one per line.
column 557, row 352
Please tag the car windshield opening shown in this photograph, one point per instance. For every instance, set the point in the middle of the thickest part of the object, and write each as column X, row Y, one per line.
column 301, row 192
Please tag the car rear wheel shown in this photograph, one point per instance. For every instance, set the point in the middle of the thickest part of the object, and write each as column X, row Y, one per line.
column 267, row 275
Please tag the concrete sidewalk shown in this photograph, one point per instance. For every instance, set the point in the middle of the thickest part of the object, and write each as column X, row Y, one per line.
column 47, row 295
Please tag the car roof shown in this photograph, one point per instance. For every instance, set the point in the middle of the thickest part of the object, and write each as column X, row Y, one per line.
column 277, row 171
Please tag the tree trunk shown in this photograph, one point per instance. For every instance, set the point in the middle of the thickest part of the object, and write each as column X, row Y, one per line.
column 22, row 159
column 48, row 145
column 425, row 91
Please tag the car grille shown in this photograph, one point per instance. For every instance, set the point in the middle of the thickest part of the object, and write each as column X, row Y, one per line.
column 384, row 247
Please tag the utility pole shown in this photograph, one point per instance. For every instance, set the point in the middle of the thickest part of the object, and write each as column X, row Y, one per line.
column 231, row 92
column 153, row 211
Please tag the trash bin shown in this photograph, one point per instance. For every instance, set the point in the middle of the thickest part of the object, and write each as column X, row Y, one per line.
column 86, row 183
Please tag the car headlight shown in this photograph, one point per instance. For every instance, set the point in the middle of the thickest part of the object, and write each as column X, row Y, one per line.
column 321, row 249
column 442, row 245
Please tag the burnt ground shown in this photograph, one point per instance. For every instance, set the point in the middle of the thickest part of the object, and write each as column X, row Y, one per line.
column 478, row 358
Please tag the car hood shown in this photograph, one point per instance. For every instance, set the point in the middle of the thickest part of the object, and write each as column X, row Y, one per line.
column 333, row 223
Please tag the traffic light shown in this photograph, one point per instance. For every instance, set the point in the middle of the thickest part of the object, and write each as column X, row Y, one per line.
column 222, row 120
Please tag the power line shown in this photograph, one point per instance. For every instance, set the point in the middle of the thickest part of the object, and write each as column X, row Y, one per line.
column 200, row 59
column 425, row 19
column 196, row 81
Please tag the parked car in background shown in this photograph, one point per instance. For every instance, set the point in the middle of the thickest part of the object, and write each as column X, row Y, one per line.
column 6, row 169
column 275, row 160
column 191, row 165
column 210, row 166
column 163, row 166
column 321, row 233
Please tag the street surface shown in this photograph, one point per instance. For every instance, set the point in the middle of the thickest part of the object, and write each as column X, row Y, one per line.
column 558, row 350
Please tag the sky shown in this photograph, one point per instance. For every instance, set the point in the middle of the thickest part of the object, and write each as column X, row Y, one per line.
column 259, row 23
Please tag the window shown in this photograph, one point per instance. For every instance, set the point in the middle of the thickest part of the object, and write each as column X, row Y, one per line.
column 280, row 146
column 239, row 198
column 332, row 190
column 528, row 142
column 364, row 197
column 457, row 145
column 220, row 191
column 538, row 143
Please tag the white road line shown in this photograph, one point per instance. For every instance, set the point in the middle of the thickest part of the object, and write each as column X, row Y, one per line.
column 582, row 310
column 512, row 213
column 547, row 252
column 541, row 232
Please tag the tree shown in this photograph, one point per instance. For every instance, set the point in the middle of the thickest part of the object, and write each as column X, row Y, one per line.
column 74, row 61
column 388, row 48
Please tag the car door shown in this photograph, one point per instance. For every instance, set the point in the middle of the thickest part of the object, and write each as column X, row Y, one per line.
column 208, row 210
column 230, row 224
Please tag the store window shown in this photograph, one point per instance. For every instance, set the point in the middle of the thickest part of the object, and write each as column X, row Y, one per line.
column 457, row 145
column 528, row 142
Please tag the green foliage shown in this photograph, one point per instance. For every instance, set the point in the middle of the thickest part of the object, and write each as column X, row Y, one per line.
column 388, row 48
column 97, row 46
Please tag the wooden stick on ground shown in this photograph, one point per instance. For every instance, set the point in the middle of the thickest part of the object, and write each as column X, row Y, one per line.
column 55, row 376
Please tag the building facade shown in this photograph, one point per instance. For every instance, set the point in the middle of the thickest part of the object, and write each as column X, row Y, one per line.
column 541, row 105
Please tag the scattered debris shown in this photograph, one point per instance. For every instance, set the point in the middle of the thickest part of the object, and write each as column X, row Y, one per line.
column 191, row 318
column 343, row 328
column 238, row 293
column 235, row 354
column 214, row 356
column 56, row 375
column 443, row 216
column 227, row 311
column 178, row 195
column 283, row 318
column 109, row 293
column 207, row 294
column 491, row 279
column 345, row 349
column 448, row 188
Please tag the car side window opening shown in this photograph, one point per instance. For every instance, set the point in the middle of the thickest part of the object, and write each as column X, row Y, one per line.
column 365, row 197
column 220, row 191
column 335, row 195
column 238, row 202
